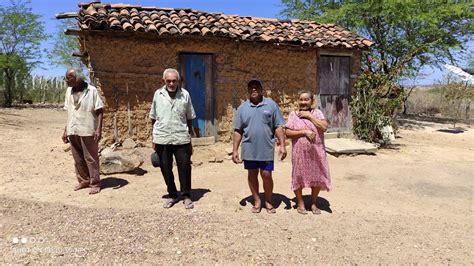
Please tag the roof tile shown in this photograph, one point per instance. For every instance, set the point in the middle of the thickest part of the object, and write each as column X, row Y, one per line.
column 185, row 21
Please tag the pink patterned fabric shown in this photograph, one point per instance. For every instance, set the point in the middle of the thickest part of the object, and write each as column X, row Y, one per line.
column 310, row 165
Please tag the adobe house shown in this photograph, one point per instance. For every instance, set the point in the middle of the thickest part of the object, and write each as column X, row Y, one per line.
column 127, row 47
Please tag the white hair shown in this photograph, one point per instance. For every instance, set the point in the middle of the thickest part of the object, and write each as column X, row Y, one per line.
column 171, row 70
column 77, row 73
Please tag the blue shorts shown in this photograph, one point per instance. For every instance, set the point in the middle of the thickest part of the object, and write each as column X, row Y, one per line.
column 264, row 165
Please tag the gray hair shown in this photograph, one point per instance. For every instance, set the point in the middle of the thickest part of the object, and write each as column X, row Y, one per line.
column 311, row 95
column 171, row 70
column 77, row 73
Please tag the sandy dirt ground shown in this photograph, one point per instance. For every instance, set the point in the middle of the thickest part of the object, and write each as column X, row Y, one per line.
column 412, row 203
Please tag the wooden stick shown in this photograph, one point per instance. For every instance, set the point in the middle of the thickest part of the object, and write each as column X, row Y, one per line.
column 115, row 90
column 129, row 115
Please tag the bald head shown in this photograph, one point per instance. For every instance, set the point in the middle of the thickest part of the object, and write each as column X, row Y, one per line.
column 74, row 77
column 76, row 74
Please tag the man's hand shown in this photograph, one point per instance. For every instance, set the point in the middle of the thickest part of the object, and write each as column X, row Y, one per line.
column 97, row 135
column 191, row 149
column 282, row 152
column 235, row 157
column 65, row 139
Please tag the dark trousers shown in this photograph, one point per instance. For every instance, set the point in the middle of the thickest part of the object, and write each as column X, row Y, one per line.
column 85, row 152
column 182, row 153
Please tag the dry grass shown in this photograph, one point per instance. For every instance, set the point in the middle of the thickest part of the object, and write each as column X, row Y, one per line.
column 431, row 102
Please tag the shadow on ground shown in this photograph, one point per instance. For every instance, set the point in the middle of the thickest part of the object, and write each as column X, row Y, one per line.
column 112, row 182
column 456, row 130
column 196, row 194
column 277, row 200
column 138, row 171
column 322, row 203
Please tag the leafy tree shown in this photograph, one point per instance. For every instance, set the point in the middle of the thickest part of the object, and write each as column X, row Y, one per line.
column 426, row 30
column 65, row 45
column 406, row 34
column 20, row 35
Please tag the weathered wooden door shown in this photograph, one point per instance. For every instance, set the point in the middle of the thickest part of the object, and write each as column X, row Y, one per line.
column 334, row 91
column 196, row 71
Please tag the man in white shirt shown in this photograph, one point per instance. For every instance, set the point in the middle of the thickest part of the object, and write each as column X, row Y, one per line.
column 83, row 129
column 171, row 114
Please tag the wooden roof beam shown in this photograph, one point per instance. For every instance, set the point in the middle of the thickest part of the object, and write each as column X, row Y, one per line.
column 73, row 32
column 79, row 54
column 66, row 15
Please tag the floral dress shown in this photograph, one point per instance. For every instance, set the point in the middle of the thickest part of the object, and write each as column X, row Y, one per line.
column 310, row 165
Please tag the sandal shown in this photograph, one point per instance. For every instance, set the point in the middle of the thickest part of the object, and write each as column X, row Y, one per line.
column 271, row 210
column 301, row 210
column 169, row 203
column 188, row 203
column 315, row 209
column 269, row 207
column 256, row 209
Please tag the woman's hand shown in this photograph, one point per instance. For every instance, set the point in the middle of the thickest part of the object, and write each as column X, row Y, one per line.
column 310, row 135
column 304, row 114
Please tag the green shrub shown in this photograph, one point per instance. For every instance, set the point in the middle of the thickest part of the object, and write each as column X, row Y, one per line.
column 373, row 103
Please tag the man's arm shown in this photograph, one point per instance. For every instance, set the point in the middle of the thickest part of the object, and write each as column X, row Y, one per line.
column 65, row 139
column 152, row 124
column 190, row 126
column 235, row 145
column 280, row 134
column 190, row 130
column 98, row 131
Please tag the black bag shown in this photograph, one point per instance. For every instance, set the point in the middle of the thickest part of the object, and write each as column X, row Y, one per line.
column 155, row 159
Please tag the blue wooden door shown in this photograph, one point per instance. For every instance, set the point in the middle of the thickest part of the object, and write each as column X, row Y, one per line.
column 196, row 70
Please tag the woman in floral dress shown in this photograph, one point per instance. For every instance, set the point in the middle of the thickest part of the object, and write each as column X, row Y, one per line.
column 306, row 128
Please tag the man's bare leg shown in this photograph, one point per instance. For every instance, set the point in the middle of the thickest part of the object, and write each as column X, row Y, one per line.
column 253, row 185
column 267, row 188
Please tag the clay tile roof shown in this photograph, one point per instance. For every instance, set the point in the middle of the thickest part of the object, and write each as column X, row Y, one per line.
column 184, row 21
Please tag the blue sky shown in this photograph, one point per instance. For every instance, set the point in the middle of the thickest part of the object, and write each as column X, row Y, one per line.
column 258, row 8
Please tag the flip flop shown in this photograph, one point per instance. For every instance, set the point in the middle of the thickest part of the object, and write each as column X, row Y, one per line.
column 315, row 210
column 169, row 203
column 256, row 209
column 269, row 207
column 188, row 203
column 301, row 210
column 272, row 210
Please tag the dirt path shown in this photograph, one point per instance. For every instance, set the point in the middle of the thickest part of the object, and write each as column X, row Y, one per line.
column 409, row 204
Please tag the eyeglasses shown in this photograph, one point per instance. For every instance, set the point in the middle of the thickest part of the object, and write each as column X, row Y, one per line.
column 168, row 81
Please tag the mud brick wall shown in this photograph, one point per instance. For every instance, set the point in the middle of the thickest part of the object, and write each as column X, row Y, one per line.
column 119, row 62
